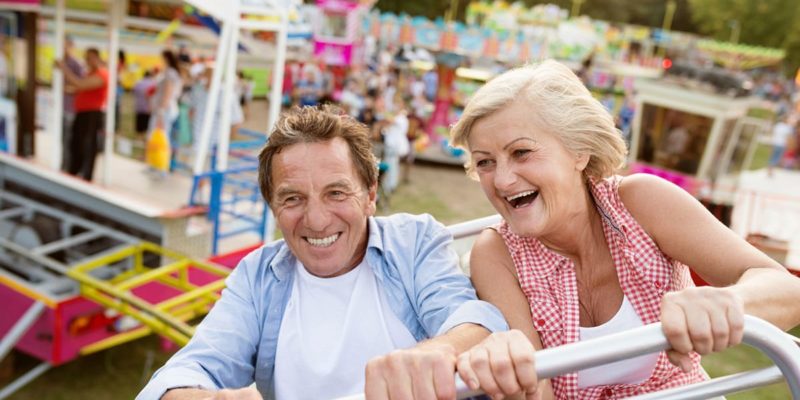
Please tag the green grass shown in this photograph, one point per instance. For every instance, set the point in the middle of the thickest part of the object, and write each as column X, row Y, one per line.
column 742, row 358
column 761, row 157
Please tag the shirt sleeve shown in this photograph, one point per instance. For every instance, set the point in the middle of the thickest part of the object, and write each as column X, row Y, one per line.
column 222, row 352
column 445, row 297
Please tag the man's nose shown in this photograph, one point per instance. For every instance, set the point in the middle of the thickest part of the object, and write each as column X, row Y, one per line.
column 317, row 215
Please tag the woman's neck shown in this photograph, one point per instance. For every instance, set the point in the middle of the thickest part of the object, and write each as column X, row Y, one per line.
column 582, row 228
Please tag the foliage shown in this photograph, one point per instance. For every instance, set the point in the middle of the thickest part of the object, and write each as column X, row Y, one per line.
column 770, row 23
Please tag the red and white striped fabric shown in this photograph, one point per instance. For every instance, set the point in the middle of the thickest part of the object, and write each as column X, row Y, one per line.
column 645, row 274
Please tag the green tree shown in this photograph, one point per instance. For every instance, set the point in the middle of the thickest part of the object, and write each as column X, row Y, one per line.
column 792, row 43
column 771, row 23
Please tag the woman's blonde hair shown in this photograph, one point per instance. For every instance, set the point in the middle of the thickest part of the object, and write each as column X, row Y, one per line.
column 560, row 104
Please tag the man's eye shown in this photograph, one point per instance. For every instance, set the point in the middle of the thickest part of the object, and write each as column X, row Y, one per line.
column 338, row 195
column 291, row 200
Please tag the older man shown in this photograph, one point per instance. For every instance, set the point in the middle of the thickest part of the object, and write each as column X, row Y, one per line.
column 346, row 302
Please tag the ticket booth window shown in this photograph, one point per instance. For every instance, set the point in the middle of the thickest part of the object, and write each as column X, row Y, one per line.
column 334, row 25
column 673, row 139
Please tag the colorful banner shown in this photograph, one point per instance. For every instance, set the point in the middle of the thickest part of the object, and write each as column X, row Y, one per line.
column 8, row 125
column 21, row 2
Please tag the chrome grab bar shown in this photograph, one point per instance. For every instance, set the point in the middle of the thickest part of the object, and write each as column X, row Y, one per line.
column 758, row 333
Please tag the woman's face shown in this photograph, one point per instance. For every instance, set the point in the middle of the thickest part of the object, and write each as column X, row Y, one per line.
column 527, row 174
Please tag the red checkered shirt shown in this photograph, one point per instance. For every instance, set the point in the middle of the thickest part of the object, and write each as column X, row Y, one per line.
column 645, row 275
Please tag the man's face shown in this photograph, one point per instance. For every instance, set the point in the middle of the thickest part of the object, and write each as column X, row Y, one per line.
column 322, row 206
column 92, row 59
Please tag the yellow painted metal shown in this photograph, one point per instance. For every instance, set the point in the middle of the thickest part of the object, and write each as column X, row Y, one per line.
column 176, row 283
column 137, row 333
column 116, row 340
column 151, row 275
column 21, row 289
column 189, row 296
column 167, row 318
column 106, row 259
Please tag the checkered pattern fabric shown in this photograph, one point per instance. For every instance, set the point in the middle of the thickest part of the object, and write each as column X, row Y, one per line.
column 645, row 274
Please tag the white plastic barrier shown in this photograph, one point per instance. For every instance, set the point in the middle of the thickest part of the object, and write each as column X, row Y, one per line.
column 758, row 333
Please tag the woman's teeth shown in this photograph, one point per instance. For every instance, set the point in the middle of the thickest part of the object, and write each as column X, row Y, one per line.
column 522, row 199
column 518, row 195
column 323, row 242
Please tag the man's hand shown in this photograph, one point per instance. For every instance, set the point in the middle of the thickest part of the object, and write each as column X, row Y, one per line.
column 248, row 393
column 423, row 372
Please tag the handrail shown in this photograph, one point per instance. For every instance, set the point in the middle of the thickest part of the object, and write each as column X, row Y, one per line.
column 650, row 339
column 473, row 227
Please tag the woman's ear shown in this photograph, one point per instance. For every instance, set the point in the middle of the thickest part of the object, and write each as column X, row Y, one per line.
column 581, row 161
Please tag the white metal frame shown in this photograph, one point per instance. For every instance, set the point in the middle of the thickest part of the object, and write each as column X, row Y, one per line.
column 758, row 333
column 230, row 14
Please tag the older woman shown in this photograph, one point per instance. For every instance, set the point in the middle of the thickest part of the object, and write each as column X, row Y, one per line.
column 583, row 253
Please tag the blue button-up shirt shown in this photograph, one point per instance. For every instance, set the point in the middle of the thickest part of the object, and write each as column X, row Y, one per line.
column 235, row 345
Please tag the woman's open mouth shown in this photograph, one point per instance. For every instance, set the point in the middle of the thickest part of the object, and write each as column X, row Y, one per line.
column 523, row 199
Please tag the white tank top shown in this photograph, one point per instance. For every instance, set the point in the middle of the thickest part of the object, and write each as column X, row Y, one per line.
column 330, row 329
column 630, row 371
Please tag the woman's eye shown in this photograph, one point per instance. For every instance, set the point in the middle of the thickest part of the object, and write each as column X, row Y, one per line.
column 483, row 163
column 520, row 152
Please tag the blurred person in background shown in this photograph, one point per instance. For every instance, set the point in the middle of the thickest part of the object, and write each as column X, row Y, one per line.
column 91, row 93
column 68, row 117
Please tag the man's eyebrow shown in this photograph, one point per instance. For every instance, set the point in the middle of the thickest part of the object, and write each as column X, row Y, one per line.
column 340, row 184
column 284, row 191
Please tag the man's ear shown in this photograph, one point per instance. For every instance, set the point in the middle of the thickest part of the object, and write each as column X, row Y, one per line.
column 372, row 199
column 581, row 161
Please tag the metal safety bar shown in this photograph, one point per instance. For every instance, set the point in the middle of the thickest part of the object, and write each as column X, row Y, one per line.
column 758, row 333
column 473, row 227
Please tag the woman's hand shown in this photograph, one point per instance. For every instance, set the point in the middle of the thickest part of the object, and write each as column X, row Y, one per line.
column 501, row 365
column 701, row 319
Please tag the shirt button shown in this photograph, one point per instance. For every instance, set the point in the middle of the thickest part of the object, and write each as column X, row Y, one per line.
column 540, row 322
column 658, row 285
column 608, row 392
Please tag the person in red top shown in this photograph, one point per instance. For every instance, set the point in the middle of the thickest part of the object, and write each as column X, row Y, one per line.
column 91, row 92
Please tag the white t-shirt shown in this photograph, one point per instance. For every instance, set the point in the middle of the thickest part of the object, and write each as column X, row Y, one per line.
column 330, row 329
column 781, row 133
column 631, row 371
column 199, row 99
column 677, row 139
column 395, row 140
column 170, row 76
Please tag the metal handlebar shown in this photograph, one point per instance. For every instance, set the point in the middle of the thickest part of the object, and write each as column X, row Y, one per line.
column 649, row 339
column 472, row 227
column 758, row 333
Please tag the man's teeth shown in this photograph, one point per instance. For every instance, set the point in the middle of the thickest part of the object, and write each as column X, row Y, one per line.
column 518, row 195
column 323, row 242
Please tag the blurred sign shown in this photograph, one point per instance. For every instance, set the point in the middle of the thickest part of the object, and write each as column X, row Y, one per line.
column 21, row 2
column 8, row 125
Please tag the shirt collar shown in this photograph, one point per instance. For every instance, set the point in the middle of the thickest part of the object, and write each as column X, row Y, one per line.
column 285, row 260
